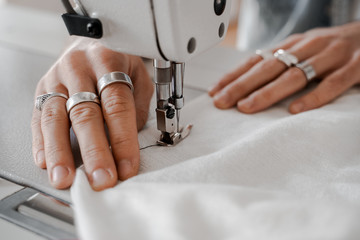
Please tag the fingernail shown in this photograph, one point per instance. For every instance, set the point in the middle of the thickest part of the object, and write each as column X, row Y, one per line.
column 40, row 157
column 100, row 178
column 247, row 104
column 221, row 99
column 125, row 168
column 59, row 173
column 298, row 107
column 211, row 89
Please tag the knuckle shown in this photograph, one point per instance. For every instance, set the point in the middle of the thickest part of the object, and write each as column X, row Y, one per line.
column 315, row 40
column 264, row 96
column 319, row 40
column 82, row 114
column 315, row 99
column 295, row 36
column 72, row 57
column 251, row 61
column 356, row 57
column 54, row 151
column 236, row 91
column 295, row 73
column 117, row 105
column 35, row 122
column 339, row 44
column 226, row 79
column 317, row 31
column 269, row 65
column 93, row 153
column 121, row 140
column 51, row 115
column 37, row 142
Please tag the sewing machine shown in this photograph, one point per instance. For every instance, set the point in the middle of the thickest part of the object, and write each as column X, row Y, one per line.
column 170, row 32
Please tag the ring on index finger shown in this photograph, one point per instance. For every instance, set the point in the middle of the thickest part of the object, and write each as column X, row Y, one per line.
column 41, row 99
column 264, row 54
column 114, row 77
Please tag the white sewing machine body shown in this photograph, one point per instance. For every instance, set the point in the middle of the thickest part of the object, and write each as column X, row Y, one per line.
column 159, row 29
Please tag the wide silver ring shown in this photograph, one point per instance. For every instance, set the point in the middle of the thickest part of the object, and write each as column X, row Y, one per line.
column 81, row 97
column 114, row 77
column 307, row 69
column 264, row 54
column 287, row 58
column 41, row 99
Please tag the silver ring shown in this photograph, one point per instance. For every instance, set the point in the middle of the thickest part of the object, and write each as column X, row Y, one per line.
column 41, row 99
column 307, row 69
column 287, row 58
column 81, row 97
column 113, row 77
column 264, row 54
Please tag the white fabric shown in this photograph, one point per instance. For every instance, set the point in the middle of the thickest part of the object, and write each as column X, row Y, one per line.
column 270, row 175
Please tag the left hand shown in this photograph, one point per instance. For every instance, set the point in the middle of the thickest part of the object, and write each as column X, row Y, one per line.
column 257, row 84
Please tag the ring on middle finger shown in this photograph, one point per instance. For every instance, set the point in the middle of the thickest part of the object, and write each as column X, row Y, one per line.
column 81, row 97
column 114, row 77
column 287, row 58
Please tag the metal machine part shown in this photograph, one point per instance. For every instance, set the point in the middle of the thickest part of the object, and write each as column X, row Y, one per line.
column 39, row 213
column 169, row 78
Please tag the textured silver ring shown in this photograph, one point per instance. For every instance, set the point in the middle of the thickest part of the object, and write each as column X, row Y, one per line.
column 264, row 54
column 41, row 99
column 81, row 97
column 307, row 69
column 114, row 77
column 287, row 58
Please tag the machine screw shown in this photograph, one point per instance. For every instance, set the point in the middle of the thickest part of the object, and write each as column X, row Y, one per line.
column 170, row 113
column 92, row 29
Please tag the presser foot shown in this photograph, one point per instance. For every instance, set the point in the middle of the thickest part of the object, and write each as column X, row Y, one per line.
column 171, row 139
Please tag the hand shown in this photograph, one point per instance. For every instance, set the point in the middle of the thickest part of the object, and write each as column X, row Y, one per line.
column 78, row 70
column 257, row 84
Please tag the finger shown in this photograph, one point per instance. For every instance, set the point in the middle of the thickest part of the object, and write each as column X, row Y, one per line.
column 288, row 83
column 230, row 77
column 143, row 91
column 256, row 77
column 120, row 115
column 266, row 71
column 331, row 58
column 330, row 88
column 88, row 125
column 289, row 42
column 55, row 128
column 309, row 47
column 37, row 139
column 292, row 80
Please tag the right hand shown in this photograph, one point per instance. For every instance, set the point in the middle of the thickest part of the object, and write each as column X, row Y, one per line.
column 77, row 70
